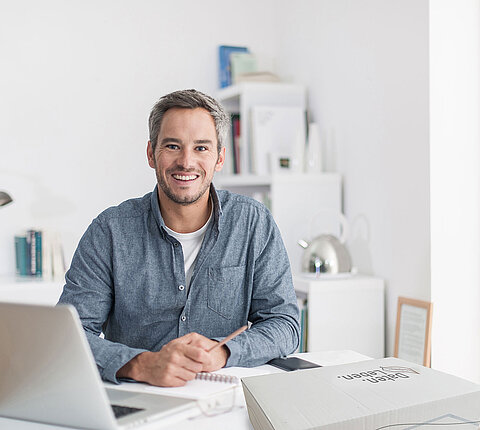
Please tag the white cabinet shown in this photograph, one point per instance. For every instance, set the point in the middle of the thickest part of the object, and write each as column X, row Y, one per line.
column 32, row 291
column 293, row 199
column 344, row 313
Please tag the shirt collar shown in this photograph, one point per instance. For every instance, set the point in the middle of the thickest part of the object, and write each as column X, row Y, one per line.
column 155, row 205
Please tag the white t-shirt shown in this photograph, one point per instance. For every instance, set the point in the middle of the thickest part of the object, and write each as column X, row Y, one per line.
column 191, row 243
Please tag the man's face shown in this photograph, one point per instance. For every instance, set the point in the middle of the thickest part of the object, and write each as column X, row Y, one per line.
column 186, row 155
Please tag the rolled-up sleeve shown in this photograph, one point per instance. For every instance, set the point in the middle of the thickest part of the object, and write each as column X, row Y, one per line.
column 89, row 288
column 274, row 313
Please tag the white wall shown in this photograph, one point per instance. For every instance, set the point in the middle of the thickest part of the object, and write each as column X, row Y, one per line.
column 455, row 185
column 77, row 82
column 366, row 67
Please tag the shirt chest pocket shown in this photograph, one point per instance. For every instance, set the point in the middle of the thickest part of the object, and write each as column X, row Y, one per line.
column 226, row 290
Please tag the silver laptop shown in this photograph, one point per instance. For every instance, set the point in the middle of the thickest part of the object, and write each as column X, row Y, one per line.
column 48, row 374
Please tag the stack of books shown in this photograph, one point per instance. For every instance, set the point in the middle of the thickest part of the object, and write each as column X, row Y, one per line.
column 39, row 254
column 237, row 64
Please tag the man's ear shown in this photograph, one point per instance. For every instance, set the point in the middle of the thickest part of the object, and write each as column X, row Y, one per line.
column 220, row 160
column 150, row 155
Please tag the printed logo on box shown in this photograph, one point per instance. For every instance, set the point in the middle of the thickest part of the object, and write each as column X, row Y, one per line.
column 382, row 374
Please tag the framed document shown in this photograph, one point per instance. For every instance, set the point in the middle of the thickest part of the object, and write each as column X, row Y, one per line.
column 413, row 331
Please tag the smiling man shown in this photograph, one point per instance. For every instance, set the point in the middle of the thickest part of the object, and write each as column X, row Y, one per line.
column 168, row 275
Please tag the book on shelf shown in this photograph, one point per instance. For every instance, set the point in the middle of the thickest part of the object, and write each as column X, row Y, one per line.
column 242, row 63
column 303, row 308
column 236, row 143
column 21, row 255
column 257, row 77
column 39, row 253
column 224, row 65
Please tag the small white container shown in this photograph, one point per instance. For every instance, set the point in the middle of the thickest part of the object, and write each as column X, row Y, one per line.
column 313, row 162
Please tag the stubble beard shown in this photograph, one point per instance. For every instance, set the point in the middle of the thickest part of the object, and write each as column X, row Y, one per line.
column 184, row 201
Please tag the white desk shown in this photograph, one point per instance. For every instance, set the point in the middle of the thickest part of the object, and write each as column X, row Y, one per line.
column 237, row 419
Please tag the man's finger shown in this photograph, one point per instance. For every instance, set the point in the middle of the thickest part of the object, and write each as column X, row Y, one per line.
column 196, row 354
column 183, row 373
column 188, row 359
column 187, row 338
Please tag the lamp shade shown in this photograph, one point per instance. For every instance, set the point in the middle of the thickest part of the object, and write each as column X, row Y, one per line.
column 5, row 198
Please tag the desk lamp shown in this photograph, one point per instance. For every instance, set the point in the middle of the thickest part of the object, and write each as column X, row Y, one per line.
column 5, row 199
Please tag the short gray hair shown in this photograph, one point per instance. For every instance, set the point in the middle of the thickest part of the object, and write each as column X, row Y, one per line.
column 189, row 99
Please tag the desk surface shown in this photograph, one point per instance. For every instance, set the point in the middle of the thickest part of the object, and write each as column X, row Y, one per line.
column 194, row 419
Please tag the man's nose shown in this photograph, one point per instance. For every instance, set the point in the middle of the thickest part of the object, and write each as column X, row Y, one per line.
column 186, row 158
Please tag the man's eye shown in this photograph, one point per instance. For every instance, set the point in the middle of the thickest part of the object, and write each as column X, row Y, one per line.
column 172, row 146
column 201, row 148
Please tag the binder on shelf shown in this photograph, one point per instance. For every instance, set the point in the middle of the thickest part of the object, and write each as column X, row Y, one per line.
column 275, row 130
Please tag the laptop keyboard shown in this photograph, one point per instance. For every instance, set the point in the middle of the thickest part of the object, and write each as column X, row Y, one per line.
column 121, row 411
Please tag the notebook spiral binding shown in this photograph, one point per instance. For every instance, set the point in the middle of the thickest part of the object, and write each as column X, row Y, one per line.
column 216, row 377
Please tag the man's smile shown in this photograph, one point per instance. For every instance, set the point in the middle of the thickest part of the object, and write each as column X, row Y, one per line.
column 185, row 178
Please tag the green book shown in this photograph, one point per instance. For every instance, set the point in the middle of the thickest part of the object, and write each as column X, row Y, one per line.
column 38, row 253
column 21, row 254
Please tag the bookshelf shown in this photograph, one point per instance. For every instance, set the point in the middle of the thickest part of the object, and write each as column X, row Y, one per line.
column 241, row 98
column 293, row 198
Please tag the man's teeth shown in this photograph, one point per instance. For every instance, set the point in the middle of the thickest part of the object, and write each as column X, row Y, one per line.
column 185, row 177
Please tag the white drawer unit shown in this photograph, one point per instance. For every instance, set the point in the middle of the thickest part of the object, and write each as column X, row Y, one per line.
column 344, row 313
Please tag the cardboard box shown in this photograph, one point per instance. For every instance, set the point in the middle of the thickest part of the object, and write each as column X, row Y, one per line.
column 369, row 395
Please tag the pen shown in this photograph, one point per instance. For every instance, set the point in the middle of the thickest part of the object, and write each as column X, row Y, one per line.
column 229, row 337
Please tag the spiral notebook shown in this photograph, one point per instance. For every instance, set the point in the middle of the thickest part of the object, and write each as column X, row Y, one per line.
column 205, row 385
column 217, row 377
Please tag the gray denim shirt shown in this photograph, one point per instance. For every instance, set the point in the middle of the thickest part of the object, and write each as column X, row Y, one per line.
column 127, row 279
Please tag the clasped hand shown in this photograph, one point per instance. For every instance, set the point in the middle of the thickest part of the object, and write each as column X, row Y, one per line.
column 177, row 362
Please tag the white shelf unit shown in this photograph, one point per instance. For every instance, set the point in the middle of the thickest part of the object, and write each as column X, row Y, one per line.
column 293, row 199
column 344, row 313
column 240, row 98
column 30, row 290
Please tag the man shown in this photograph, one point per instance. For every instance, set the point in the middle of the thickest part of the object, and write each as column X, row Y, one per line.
column 168, row 275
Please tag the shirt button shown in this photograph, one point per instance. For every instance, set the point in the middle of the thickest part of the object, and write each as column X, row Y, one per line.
column 175, row 244
column 183, row 318
column 181, row 287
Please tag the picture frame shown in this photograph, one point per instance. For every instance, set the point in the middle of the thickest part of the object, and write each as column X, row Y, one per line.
column 280, row 163
column 413, row 331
